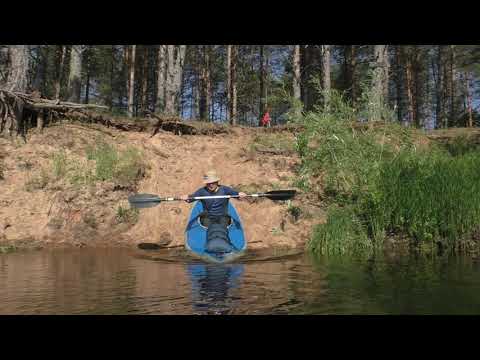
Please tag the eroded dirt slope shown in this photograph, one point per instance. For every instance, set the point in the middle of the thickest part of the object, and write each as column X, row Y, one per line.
column 57, row 212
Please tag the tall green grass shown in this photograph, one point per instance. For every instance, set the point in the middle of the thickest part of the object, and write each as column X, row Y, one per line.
column 379, row 184
column 341, row 234
column 429, row 197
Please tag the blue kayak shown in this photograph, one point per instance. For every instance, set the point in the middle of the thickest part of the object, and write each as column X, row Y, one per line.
column 233, row 237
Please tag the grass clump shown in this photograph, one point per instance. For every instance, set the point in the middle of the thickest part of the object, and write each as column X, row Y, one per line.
column 294, row 211
column 103, row 162
column 341, row 234
column 273, row 142
column 38, row 182
column 90, row 220
column 127, row 215
column 461, row 145
column 121, row 167
column 60, row 164
column 106, row 158
column 6, row 249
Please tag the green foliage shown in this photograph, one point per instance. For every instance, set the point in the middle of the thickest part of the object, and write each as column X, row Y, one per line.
column 106, row 159
column 341, row 234
column 103, row 163
column 5, row 249
column 60, row 164
column 123, row 168
column 129, row 167
column 38, row 182
column 293, row 210
column 127, row 215
column 461, row 145
column 384, row 185
column 429, row 196
column 345, row 155
column 373, row 106
column 90, row 220
column 274, row 141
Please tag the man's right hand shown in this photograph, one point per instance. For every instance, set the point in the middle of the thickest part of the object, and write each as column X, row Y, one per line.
column 184, row 197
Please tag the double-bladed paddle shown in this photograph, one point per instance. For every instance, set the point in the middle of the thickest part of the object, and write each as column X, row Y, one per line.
column 142, row 201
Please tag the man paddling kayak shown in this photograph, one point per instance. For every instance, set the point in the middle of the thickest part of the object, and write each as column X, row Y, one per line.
column 215, row 210
column 213, row 207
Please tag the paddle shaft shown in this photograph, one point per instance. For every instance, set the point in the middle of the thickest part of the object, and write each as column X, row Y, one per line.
column 150, row 200
column 212, row 197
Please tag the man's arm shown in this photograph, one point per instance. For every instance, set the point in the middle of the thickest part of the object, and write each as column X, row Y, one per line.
column 233, row 192
column 195, row 194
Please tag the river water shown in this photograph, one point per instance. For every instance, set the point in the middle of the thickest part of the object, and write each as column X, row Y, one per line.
column 126, row 281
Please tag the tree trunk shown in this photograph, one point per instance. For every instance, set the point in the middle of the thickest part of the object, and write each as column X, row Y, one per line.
column 17, row 80
column 176, row 57
column 40, row 71
column 303, row 76
column 144, row 102
column 58, row 80
column 180, row 60
column 399, row 82
column 196, row 97
column 447, row 82
column 160, row 103
column 469, row 99
column 452, row 86
column 296, row 73
column 126, row 55
column 112, row 78
column 419, row 55
column 196, row 84
column 263, row 82
column 205, row 85
column 350, row 70
column 228, row 83
column 380, row 77
column 410, row 86
column 326, row 82
column 169, row 103
column 439, row 88
column 87, row 87
column 233, row 86
column 75, row 76
column 131, row 82
column 418, row 94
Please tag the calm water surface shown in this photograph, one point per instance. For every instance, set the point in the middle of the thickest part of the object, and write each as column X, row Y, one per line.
column 124, row 281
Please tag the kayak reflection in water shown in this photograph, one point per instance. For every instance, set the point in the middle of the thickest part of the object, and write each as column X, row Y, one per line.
column 210, row 287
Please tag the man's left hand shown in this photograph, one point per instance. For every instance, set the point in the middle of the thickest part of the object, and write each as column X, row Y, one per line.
column 242, row 195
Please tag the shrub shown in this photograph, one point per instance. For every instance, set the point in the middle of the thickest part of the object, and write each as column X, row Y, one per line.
column 341, row 234
column 60, row 165
column 38, row 182
column 127, row 215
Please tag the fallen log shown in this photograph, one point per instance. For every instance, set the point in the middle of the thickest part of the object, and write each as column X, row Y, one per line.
column 174, row 126
column 19, row 110
column 274, row 152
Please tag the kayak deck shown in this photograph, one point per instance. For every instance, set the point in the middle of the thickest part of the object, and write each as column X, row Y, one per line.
column 196, row 236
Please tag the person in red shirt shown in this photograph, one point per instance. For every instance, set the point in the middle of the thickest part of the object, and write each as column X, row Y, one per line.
column 266, row 119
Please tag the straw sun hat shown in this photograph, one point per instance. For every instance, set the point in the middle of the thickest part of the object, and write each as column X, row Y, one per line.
column 210, row 177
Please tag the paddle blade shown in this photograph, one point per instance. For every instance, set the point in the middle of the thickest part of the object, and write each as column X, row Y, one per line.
column 149, row 246
column 281, row 194
column 143, row 201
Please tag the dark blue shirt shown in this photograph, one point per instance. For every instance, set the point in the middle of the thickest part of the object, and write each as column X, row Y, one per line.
column 215, row 207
